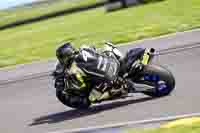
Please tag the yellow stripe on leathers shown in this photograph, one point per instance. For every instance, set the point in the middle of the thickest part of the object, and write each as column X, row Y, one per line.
column 181, row 122
column 79, row 74
column 145, row 59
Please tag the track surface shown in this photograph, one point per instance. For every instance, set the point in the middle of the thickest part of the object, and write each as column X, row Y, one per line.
column 30, row 105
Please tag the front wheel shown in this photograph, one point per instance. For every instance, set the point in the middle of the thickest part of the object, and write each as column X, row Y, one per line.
column 160, row 78
column 73, row 101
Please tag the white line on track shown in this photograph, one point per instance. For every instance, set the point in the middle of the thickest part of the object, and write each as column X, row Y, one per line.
column 129, row 123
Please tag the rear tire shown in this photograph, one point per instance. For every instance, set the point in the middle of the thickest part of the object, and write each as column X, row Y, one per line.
column 164, row 75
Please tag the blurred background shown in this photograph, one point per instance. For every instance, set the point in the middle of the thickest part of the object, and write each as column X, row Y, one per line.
column 31, row 30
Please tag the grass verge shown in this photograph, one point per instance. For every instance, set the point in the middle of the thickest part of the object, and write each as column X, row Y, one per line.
column 38, row 40
column 27, row 12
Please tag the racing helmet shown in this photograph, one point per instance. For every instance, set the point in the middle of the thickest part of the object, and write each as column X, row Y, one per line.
column 65, row 53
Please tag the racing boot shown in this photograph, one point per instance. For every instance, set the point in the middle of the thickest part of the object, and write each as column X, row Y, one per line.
column 95, row 96
column 98, row 96
column 108, row 92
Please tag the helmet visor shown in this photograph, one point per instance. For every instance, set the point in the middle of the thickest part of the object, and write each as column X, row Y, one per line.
column 66, row 56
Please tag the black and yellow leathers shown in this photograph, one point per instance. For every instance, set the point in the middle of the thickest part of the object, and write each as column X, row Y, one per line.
column 89, row 72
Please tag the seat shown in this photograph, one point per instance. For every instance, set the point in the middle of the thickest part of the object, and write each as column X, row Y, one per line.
column 131, row 56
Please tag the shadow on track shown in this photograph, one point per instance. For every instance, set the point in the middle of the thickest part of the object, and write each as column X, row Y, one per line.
column 74, row 113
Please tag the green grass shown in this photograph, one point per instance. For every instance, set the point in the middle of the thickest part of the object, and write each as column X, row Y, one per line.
column 38, row 41
column 23, row 13
column 194, row 128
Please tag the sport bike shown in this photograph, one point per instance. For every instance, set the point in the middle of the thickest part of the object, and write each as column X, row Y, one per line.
column 135, row 73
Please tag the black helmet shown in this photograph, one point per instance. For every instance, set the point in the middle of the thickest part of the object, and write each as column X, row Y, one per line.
column 65, row 53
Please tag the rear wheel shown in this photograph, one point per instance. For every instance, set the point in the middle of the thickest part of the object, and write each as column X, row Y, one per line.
column 160, row 78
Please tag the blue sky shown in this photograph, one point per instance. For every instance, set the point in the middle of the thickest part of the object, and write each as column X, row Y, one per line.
column 10, row 3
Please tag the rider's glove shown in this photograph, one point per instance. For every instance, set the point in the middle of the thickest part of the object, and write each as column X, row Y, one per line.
column 59, row 83
column 56, row 75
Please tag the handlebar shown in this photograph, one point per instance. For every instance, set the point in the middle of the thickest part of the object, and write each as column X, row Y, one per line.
column 110, row 44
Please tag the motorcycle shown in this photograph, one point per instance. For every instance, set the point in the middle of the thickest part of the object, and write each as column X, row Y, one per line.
column 136, row 71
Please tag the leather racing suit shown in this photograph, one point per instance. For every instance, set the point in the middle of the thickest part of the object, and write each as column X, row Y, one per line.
column 86, row 77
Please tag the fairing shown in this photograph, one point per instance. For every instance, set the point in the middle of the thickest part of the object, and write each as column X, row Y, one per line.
column 96, row 64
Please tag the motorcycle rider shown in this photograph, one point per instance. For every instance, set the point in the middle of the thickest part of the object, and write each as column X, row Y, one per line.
column 77, row 81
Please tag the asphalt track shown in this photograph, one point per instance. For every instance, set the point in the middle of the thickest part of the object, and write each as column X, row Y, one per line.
column 30, row 105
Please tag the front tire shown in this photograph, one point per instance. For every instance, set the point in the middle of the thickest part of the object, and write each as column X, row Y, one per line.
column 73, row 101
column 162, row 76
